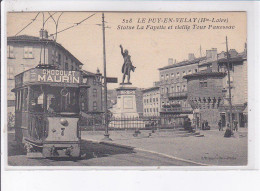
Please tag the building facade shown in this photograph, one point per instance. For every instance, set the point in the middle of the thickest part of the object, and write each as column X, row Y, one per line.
column 238, row 83
column 208, row 89
column 92, row 103
column 173, row 88
column 25, row 52
column 151, row 102
column 205, row 96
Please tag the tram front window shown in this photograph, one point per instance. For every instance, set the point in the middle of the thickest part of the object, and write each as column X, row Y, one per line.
column 37, row 103
column 53, row 107
column 69, row 103
column 61, row 101
column 51, row 100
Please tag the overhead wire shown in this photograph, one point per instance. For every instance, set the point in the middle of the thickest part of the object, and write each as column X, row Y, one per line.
column 76, row 24
column 56, row 27
column 27, row 24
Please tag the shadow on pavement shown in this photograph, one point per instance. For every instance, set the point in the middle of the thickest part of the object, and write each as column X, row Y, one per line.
column 89, row 150
column 13, row 148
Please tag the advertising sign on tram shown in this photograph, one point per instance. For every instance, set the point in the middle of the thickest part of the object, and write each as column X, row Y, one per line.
column 52, row 76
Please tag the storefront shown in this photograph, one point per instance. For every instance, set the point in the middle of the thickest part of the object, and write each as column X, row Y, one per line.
column 239, row 114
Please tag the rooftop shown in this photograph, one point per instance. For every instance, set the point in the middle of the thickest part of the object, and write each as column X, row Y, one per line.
column 33, row 39
column 183, row 63
column 238, row 58
column 205, row 74
column 150, row 89
column 87, row 73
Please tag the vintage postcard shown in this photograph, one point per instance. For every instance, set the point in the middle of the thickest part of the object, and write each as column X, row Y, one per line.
column 127, row 89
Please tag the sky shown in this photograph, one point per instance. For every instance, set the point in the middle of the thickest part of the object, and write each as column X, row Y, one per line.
column 149, row 49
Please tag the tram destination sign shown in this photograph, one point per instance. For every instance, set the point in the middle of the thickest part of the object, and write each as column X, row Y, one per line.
column 52, row 76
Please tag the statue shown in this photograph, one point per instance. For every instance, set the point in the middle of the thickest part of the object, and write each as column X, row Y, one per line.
column 127, row 66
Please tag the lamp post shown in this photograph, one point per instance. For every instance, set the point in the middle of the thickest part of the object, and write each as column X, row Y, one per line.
column 106, row 135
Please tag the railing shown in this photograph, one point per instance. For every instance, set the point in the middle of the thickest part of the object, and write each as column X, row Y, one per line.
column 177, row 109
column 134, row 123
column 127, row 122
column 176, row 95
column 170, row 81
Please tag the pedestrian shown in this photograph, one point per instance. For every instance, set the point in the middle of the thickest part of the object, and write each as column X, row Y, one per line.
column 220, row 128
column 206, row 123
column 203, row 125
column 228, row 126
column 189, row 125
column 228, row 132
column 235, row 125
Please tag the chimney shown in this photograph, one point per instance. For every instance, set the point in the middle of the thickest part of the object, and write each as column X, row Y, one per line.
column 191, row 56
column 232, row 53
column 43, row 34
column 212, row 54
column 170, row 61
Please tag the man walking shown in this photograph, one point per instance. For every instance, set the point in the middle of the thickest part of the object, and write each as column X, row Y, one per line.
column 220, row 128
column 235, row 125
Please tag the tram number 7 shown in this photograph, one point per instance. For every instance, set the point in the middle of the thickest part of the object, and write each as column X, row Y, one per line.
column 62, row 131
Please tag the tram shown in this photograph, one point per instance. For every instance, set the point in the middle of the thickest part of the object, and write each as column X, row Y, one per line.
column 47, row 112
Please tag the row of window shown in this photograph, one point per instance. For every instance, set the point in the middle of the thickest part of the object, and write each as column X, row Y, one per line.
column 173, row 89
column 56, row 58
column 178, row 74
column 150, row 95
column 27, row 52
column 204, row 83
column 151, row 110
column 182, row 103
column 151, row 100
column 84, row 107
column 150, row 104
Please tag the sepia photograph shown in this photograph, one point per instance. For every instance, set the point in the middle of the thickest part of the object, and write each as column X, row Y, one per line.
column 135, row 89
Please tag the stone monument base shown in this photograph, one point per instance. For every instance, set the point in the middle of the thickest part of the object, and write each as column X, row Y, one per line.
column 124, row 112
column 125, row 84
column 126, row 101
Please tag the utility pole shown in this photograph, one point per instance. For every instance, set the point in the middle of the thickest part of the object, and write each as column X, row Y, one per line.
column 106, row 135
column 229, row 88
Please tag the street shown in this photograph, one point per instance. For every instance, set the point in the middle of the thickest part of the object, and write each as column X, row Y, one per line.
column 211, row 148
column 94, row 154
column 162, row 148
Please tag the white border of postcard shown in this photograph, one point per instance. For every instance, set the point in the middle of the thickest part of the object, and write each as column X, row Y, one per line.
column 143, row 6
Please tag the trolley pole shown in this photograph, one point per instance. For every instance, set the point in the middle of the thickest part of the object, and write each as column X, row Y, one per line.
column 106, row 135
column 229, row 89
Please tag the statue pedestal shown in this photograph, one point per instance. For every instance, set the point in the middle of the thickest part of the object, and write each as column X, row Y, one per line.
column 126, row 101
column 125, row 112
